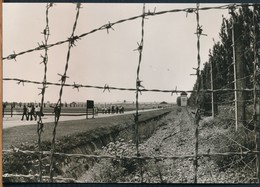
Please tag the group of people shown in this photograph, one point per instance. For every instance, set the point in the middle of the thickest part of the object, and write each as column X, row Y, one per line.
column 31, row 112
column 113, row 109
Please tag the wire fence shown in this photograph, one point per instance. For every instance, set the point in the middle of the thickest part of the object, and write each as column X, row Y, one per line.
column 71, row 41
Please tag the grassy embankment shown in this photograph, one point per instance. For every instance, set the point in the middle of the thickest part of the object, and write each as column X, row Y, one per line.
column 27, row 134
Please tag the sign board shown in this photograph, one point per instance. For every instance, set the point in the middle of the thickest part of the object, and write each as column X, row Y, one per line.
column 90, row 104
column 90, row 108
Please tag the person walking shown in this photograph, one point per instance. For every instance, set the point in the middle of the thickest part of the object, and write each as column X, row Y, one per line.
column 24, row 112
column 56, row 111
column 37, row 112
column 32, row 114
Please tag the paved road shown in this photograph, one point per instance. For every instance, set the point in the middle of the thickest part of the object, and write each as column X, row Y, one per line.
column 9, row 122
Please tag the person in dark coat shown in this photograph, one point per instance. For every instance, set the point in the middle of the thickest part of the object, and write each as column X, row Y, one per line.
column 57, row 110
column 24, row 112
column 32, row 114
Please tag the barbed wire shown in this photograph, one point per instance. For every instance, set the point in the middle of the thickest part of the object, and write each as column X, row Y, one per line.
column 110, row 26
column 71, row 42
column 57, row 108
column 198, row 101
column 36, row 176
column 138, row 85
column 138, row 81
column 46, row 33
column 107, row 87
column 144, row 157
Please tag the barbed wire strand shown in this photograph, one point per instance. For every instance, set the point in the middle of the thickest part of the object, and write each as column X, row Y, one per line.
column 138, row 85
column 109, row 26
column 158, row 157
column 36, row 176
column 46, row 33
column 138, row 81
column 19, row 81
column 57, row 108
column 197, row 113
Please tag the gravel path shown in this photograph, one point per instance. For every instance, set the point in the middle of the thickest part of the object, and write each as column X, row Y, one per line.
column 176, row 136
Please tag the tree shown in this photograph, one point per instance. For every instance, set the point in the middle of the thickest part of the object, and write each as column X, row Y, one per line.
column 221, row 55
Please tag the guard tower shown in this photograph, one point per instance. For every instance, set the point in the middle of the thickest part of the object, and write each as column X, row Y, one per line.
column 184, row 99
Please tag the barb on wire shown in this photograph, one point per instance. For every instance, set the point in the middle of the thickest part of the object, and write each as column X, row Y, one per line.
column 189, row 11
column 76, row 86
column 106, row 87
column 72, row 40
column 44, row 59
column 12, row 56
column 46, row 31
column 41, row 46
column 149, row 13
column 42, row 90
column 138, row 83
column 109, row 26
column 174, row 91
column 199, row 31
column 63, row 78
column 21, row 81
column 139, row 48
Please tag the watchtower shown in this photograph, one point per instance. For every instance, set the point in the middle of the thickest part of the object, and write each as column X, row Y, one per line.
column 184, row 99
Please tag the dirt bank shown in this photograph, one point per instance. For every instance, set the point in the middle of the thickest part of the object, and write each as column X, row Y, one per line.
column 96, row 134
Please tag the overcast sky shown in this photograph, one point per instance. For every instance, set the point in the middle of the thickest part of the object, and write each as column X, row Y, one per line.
column 169, row 51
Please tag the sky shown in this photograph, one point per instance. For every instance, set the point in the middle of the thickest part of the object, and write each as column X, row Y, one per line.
column 169, row 50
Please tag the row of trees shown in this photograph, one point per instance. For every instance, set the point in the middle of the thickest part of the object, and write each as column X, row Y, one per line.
column 221, row 57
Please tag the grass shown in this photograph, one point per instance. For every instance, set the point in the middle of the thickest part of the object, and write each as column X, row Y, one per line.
column 27, row 134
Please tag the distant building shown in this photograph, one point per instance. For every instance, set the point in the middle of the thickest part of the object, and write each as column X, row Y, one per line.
column 73, row 104
column 184, row 98
column 163, row 103
column 48, row 103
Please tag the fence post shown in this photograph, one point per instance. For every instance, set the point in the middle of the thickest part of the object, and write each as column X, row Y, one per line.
column 239, row 82
column 255, row 117
column 214, row 106
column 197, row 114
